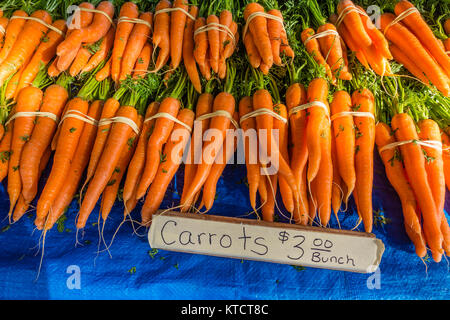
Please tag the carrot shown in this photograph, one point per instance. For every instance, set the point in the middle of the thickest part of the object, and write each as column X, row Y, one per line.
column 253, row 170
column 447, row 26
column 262, row 99
column 53, row 70
column 223, row 101
column 188, row 51
column 284, row 46
column 337, row 189
column 91, row 33
column 70, row 132
column 434, row 166
column 26, row 43
column 117, row 141
column 80, row 61
column 268, row 208
column 177, row 27
column 317, row 91
column 350, row 41
column 445, row 155
column 137, row 162
column 143, row 61
column 296, row 96
column 228, row 48
column 104, row 72
column 224, row 155
column 29, row 99
column 109, row 110
column 332, row 51
column 414, row 162
column 344, row 135
column 252, row 51
column 13, row 30
column 258, row 28
column 111, row 190
column 364, row 101
column 101, row 54
column 135, row 43
column 283, row 133
column 205, row 69
column 11, row 89
column 409, row 44
column 274, row 29
column 54, row 100
column 377, row 37
column 214, row 43
column 22, row 205
column 417, row 25
column 395, row 173
column 201, row 43
column 225, row 19
column 313, row 48
column 43, row 54
column 123, row 30
column 77, row 168
column 353, row 22
column 409, row 64
column 204, row 106
column 167, row 169
column 161, row 34
column 163, row 128
column 5, row 150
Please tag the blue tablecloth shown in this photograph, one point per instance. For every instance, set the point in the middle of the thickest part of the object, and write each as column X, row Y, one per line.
column 134, row 272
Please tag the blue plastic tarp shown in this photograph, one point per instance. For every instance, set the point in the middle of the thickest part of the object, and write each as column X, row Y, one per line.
column 133, row 271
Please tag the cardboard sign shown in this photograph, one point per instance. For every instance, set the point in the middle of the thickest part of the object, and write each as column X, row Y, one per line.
column 266, row 241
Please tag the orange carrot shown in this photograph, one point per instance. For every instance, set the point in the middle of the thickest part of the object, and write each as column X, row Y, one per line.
column 5, row 150
column 445, row 155
column 252, row 51
column 135, row 43
column 123, row 30
column 414, row 162
column 161, row 33
column 395, row 173
column 77, row 168
column 258, row 28
column 410, row 45
column 201, row 43
column 418, row 26
column 104, row 72
column 143, row 61
column 173, row 150
column 26, row 43
column 116, row 142
column 353, row 22
column 70, row 132
column 54, row 100
column 274, row 29
column 80, row 61
column 102, row 53
column 313, row 48
column 177, row 26
column 13, row 30
column 344, row 135
column 214, row 43
column 188, row 51
column 268, row 208
column 137, row 162
column 3, row 23
column 409, row 64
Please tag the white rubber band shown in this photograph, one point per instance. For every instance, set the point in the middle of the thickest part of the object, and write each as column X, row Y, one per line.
column 219, row 113
column 260, row 112
column 322, row 34
column 216, row 26
column 2, row 30
column 426, row 143
column 125, row 120
column 309, row 105
column 347, row 10
column 174, row 9
column 49, row 26
column 353, row 113
column 400, row 17
column 80, row 116
column 96, row 11
column 170, row 117
column 135, row 20
column 32, row 114
column 261, row 14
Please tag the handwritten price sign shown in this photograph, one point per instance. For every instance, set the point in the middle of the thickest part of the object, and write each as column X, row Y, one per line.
column 265, row 241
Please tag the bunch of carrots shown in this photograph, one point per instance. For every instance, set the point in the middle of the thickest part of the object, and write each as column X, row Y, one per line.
column 414, row 45
column 413, row 158
column 265, row 38
column 362, row 37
